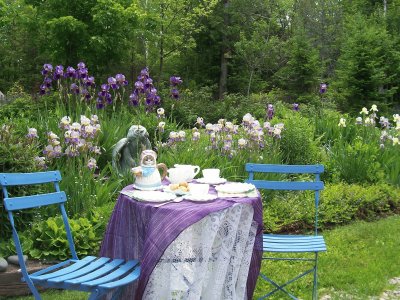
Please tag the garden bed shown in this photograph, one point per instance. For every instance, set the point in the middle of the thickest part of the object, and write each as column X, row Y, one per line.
column 10, row 281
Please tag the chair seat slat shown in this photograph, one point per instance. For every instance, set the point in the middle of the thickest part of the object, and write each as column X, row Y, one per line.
column 17, row 203
column 127, row 279
column 316, row 249
column 129, row 265
column 108, row 267
column 75, row 266
column 288, row 169
column 10, row 179
column 81, row 271
column 288, row 185
column 292, row 239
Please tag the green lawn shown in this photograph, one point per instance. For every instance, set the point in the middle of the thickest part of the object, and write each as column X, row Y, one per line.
column 360, row 260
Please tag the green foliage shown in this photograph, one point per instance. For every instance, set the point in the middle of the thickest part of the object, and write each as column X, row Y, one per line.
column 300, row 75
column 365, row 74
column 339, row 204
column 50, row 239
column 298, row 145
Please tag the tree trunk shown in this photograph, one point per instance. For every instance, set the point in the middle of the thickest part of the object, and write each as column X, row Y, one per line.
column 223, row 77
column 384, row 7
column 250, row 80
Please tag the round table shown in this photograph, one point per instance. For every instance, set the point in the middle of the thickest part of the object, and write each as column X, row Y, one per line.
column 188, row 250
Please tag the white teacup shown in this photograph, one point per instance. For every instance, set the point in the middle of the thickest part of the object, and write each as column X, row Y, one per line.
column 176, row 175
column 198, row 189
column 211, row 174
column 190, row 171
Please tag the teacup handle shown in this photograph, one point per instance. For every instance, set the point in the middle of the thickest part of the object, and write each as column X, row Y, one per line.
column 196, row 170
column 164, row 170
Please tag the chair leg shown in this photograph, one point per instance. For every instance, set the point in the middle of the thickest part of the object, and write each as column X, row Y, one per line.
column 33, row 289
column 95, row 295
column 315, row 284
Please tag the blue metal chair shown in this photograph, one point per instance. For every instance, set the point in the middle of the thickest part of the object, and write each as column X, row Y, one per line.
column 90, row 274
column 291, row 243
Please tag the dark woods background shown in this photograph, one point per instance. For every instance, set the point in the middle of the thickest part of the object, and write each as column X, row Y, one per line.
column 282, row 49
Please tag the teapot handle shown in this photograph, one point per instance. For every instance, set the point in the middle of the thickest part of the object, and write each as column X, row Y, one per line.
column 196, row 170
column 164, row 170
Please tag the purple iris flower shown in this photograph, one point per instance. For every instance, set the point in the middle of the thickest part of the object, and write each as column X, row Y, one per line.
column 47, row 68
column 109, row 98
column 322, row 88
column 270, row 111
column 174, row 80
column 148, row 83
column 86, row 94
column 144, row 72
column 58, row 72
column 112, row 82
column 296, row 107
column 74, row 88
column 105, row 87
column 82, row 73
column 139, row 85
column 42, row 90
column 70, row 72
column 134, row 99
column 175, row 94
column 121, row 79
column 149, row 99
column 99, row 103
column 81, row 65
column 47, row 81
column 89, row 81
column 157, row 100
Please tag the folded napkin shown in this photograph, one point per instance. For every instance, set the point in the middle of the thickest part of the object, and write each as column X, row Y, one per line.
column 252, row 193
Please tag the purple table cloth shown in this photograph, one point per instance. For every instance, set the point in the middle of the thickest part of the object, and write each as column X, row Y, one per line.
column 140, row 230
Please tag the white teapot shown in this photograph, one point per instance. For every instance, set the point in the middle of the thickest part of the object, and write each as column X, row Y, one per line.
column 147, row 175
column 176, row 175
column 189, row 170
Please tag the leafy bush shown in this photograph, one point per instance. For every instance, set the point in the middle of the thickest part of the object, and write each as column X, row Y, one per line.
column 339, row 204
column 298, row 145
column 50, row 239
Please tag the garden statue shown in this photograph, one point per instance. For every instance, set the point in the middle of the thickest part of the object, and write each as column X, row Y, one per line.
column 147, row 176
column 126, row 152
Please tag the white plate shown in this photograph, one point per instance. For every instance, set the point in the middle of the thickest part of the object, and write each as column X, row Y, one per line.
column 200, row 198
column 235, row 188
column 150, row 196
column 147, row 189
column 177, row 192
column 211, row 181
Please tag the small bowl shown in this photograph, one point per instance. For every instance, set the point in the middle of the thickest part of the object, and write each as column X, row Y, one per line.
column 198, row 188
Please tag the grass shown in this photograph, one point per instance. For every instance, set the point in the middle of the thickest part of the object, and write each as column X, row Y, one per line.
column 360, row 260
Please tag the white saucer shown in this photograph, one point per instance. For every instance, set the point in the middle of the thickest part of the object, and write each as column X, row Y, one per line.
column 211, row 181
column 147, row 188
column 200, row 198
column 235, row 188
column 150, row 196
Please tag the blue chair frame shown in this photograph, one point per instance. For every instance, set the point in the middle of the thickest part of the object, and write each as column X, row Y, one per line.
column 98, row 276
column 291, row 243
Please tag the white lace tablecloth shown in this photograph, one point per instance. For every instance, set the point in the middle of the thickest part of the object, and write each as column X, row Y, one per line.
column 209, row 260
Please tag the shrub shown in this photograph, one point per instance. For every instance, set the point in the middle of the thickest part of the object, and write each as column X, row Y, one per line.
column 50, row 239
column 339, row 204
column 298, row 145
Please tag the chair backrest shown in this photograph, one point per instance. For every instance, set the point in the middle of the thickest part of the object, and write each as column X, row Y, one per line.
column 316, row 185
column 12, row 204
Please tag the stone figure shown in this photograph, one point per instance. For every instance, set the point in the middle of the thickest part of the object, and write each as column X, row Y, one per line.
column 127, row 151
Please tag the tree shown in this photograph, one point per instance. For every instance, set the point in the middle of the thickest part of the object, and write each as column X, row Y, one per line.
column 301, row 73
column 368, row 68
